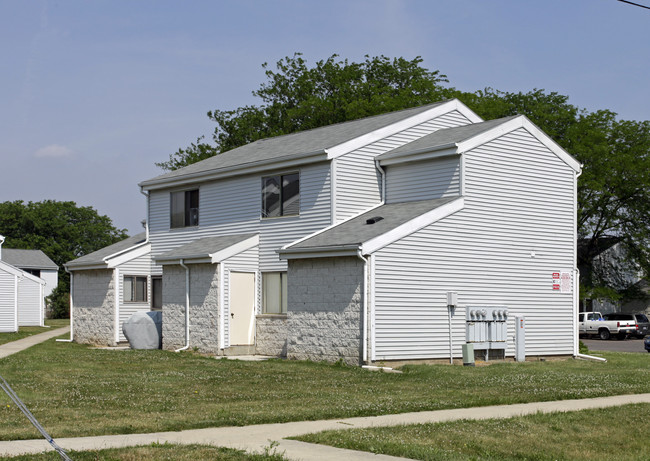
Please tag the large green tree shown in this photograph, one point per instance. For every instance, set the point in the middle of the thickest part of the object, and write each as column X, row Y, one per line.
column 613, row 194
column 62, row 230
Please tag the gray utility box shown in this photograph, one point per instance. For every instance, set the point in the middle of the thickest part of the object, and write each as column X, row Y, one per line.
column 144, row 330
column 487, row 327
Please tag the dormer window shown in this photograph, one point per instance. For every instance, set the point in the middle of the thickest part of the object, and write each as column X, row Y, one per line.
column 185, row 208
column 281, row 195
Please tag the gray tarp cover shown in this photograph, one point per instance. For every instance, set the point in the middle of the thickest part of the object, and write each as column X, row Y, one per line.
column 144, row 330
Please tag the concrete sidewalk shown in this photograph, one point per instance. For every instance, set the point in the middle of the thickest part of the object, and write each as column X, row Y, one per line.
column 24, row 343
column 257, row 437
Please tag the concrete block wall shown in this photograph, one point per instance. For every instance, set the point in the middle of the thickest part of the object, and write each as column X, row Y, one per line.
column 324, row 309
column 271, row 335
column 94, row 307
column 204, row 307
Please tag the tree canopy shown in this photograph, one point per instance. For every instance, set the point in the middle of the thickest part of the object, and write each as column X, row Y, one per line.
column 62, row 230
column 613, row 192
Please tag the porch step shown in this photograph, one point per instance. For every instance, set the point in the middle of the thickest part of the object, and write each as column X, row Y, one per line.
column 239, row 350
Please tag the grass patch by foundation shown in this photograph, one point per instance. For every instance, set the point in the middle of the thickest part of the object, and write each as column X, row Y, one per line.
column 156, row 452
column 24, row 332
column 74, row 390
column 604, row 434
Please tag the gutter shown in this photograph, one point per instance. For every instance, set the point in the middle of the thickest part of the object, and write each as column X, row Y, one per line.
column 187, row 308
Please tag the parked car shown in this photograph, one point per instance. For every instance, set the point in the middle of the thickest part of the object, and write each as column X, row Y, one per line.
column 644, row 325
column 593, row 323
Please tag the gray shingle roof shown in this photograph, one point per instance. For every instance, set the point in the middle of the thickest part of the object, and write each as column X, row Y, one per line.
column 202, row 248
column 303, row 142
column 97, row 257
column 27, row 259
column 356, row 231
column 444, row 137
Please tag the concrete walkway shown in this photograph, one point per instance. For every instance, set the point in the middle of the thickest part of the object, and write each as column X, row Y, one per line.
column 257, row 437
column 22, row 344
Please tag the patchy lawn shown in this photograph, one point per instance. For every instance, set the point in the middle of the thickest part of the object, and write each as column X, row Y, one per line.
column 23, row 332
column 580, row 435
column 74, row 390
column 156, row 452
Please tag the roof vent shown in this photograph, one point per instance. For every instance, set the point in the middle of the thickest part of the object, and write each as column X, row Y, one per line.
column 374, row 219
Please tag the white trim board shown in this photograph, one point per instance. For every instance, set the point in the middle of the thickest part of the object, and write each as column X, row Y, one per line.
column 235, row 249
column 128, row 255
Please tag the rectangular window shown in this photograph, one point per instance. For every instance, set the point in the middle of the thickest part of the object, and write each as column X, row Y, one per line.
column 281, row 195
column 135, row 289
column 274, row 292
column 185, row 208
column 156, row 293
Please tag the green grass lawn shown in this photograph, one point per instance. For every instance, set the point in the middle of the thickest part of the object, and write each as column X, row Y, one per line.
column 603, row 434
column 74, row 390
column 23, row 332
column 157, row 452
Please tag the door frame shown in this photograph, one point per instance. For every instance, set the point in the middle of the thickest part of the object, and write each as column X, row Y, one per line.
column 255, row 304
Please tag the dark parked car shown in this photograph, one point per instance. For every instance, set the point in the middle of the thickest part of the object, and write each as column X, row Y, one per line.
column 644, row 325
column 646, row 343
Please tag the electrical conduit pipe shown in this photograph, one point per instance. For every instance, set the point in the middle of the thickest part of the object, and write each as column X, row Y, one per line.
column 187, row 308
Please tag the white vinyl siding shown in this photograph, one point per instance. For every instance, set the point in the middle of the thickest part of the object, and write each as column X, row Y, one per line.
column 423, row 180
column 234, row 206
column 51, row 278
column 139, row 267
column 8, row 320
column 358, row 183
column 519, row 198
column 30, row 303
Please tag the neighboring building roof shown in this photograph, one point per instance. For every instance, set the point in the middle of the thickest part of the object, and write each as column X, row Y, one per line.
column 292, row 145
column 204, row 248
column 27, row 259
column 446, row 137
column 354, row 232
column 97, row 257
column 6, row 267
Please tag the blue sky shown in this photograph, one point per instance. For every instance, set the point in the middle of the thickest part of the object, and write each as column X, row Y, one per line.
column 93, row 93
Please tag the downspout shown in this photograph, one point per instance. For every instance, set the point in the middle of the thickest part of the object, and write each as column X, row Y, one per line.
column 576, row 280
column 364, row 330
column 187, row 308
column 71, row 308
column 146, row 228
column 116, row 319
column 382, row 172
column 2, row 240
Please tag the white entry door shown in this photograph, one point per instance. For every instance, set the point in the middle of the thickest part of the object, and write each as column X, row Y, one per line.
column 242, row 308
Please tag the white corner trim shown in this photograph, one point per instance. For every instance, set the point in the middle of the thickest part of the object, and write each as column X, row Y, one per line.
column 514, row 124
column 235, row 249
column 402, row 125
column 125, row 256
column 413, row 225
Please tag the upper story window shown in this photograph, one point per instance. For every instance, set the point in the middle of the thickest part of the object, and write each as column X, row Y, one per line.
column 281, row 195
column 185, row 208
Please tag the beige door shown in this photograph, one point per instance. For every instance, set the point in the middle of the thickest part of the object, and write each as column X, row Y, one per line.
column 242, row 308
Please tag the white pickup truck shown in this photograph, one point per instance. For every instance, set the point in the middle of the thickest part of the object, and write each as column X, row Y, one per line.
column 593, row 323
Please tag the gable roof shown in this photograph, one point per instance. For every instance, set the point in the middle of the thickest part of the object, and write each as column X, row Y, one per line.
column 27, row 259
column 310, row 145
column 458, row 140
column 397, row 220
column 97, row 258
column 208, row 248
column 6, row 267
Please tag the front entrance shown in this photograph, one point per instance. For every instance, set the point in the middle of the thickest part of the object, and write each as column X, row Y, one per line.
column 242, row 308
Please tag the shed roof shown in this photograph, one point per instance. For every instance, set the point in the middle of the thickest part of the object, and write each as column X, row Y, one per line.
column 446, row 137
column 27, row 259
column 354, row 232
column 291, row 145
column 203, row 248
column 97, row 257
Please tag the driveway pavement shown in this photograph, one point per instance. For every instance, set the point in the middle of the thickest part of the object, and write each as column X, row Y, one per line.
column 615, row 345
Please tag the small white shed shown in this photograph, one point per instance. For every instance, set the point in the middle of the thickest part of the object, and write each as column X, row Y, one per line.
column 21, row 299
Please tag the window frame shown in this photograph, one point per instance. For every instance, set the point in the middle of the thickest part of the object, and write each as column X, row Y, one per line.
column 134, row 289
column 283, row 288
column 186, row 211
column 280, row 177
